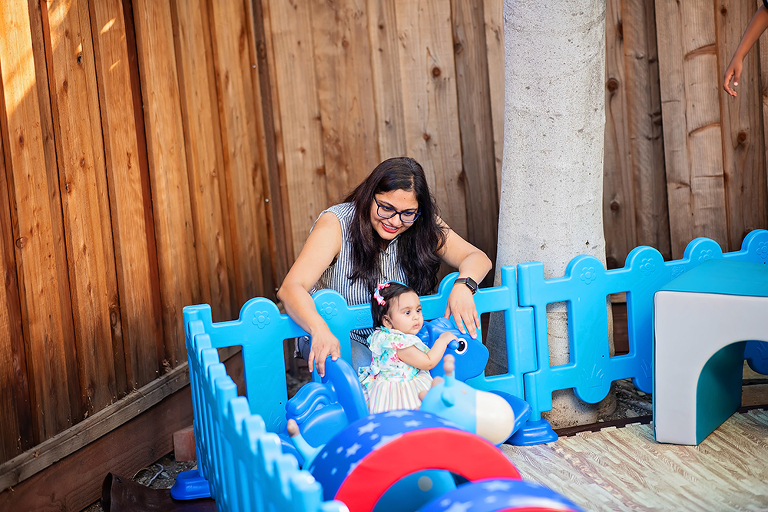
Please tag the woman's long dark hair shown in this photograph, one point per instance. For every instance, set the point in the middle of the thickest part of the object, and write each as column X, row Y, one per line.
column 418, row 245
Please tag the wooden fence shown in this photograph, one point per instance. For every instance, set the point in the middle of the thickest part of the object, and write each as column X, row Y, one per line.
column 159, row 154
column 136, row 168
column 707, row 175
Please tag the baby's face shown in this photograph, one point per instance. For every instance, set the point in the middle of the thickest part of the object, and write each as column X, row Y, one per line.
column 405, row 314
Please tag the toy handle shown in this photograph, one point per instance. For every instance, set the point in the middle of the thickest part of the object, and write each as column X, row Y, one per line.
column 347, row 386
column 458, row 345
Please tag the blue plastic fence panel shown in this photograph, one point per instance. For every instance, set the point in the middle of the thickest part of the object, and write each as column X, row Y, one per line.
column 585, row 288
column 260, row 332
column 267, row 479
column 261, row 328
column 192, row 329
column 217, row 387
column 754, row 249
column 202, row 361
column 518, row 330
column 243, row 463
column 342, row 318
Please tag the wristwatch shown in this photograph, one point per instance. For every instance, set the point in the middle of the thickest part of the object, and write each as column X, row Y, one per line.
column 471, row 284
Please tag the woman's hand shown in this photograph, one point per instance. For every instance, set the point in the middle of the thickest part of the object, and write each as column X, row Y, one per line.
column 471, row 262
column 322, row 246
column 323, row 343
column 461, row 306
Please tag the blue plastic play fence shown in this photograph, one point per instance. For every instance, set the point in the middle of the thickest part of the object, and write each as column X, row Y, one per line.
column 243, row 463
column 237, row 448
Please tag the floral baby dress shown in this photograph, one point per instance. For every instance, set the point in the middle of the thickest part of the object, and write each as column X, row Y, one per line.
column 388, row 383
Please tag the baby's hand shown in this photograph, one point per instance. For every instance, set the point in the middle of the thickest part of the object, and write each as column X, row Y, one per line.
column 446, row 338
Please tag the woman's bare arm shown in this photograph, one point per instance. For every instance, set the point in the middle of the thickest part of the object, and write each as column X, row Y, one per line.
column 320, row 249
column 471, row 262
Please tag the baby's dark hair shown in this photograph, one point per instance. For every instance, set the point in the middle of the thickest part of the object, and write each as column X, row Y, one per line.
column 388, row 293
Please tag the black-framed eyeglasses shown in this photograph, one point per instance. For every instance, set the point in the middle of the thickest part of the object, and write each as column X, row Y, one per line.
column 387, row 212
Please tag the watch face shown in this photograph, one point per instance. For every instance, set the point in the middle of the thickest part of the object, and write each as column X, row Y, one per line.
column 471, row 284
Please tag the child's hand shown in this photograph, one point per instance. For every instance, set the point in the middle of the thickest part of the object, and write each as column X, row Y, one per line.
column 426, row 361
column 445, row 338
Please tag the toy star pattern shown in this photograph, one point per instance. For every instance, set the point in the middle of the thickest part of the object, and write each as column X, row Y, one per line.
column 339, row 458
column 500, row 494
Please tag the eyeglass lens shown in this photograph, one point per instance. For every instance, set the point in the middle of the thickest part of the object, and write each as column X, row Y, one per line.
column 386, row 212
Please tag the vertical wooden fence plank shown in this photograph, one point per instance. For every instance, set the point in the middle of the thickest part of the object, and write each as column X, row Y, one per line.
column 618, row 189
column 139, row 307
column 277, row 223
column 202, row 132
column 179, row 282
column 428, row 82
column 476, row 126
column 243, row 167
column 301, row 130
column 493, row 12
column 648, row 145
column 272, row 119
column 15, row 412
column 763, row 91
column 704, row 123
column 692, row 135
column 34, row 200
column 41, row 49
column 385, row 65
column 345, row 93
column 82, row 181
column 635, row 196
column 743, row 145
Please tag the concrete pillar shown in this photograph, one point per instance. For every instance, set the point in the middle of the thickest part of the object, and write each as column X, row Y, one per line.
column 552, row 178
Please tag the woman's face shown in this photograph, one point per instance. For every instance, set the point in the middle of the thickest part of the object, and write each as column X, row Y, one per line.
column 400, row 200
column 404, row 314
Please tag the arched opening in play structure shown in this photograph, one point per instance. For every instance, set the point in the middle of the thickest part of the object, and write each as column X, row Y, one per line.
column 702, row 322
column 699, row 359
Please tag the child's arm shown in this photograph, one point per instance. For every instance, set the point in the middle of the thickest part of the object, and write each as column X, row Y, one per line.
column 426, row 361
column 756, row 27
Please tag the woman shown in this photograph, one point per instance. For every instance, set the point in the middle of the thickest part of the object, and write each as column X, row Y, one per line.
column 387, row 229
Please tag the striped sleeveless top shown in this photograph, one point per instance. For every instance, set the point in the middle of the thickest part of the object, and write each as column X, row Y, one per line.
column 336, row 277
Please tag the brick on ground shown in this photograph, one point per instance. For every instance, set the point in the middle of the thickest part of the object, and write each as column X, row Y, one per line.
column 184, row 444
